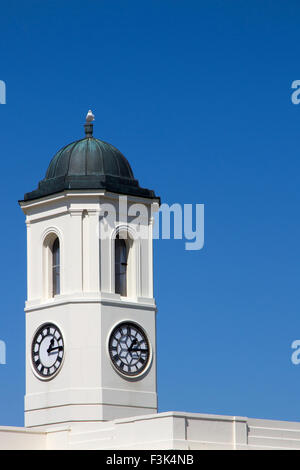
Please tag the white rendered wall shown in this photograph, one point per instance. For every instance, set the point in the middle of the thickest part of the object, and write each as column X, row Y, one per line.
column 162, row 431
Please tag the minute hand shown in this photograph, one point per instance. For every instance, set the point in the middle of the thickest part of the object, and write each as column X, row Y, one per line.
column 139, row 349
column 54, row 349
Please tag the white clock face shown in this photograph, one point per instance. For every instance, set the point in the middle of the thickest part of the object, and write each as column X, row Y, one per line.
column 129, row 349
column 47, row 350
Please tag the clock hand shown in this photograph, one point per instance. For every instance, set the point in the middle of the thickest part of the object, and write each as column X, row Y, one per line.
column 60, row 348
column 50, row 346
column 134, row 341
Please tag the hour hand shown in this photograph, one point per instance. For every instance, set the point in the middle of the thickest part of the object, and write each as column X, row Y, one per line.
column 134, row 341
column 50, row 346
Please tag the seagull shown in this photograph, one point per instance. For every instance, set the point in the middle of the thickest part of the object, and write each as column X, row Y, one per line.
column 90, row 117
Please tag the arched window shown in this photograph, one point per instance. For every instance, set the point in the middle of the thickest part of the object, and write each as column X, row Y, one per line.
column 121, row 256
column 51, row 265
column 55, row 267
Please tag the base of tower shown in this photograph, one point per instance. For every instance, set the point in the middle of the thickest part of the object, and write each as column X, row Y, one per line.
column 48, row 418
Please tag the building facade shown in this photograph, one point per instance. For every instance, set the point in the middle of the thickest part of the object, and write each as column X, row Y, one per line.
column 91, row 319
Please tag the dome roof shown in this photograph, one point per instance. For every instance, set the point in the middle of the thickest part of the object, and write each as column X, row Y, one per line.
column 89, row 163
column 89, row 156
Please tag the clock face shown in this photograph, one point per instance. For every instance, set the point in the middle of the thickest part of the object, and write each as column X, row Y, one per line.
column 129, row 349
column 47, row 350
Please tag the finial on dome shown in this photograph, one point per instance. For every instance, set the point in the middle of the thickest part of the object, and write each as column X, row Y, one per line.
column 88, row 127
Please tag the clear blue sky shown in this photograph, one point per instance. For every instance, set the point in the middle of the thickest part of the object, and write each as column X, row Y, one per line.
column 196, row 94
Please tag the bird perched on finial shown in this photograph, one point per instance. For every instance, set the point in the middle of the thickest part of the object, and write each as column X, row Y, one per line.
column 90, row 117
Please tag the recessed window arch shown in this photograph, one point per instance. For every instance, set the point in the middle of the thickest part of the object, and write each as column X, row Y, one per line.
column 56, row 267
column 121, row 258
column 126, row 262
column 52, row 265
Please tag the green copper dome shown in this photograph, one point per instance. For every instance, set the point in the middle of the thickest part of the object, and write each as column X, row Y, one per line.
column 89, row 157
column 89, row 163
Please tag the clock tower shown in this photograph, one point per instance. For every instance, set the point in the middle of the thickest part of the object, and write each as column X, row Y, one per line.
column 90, row 310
